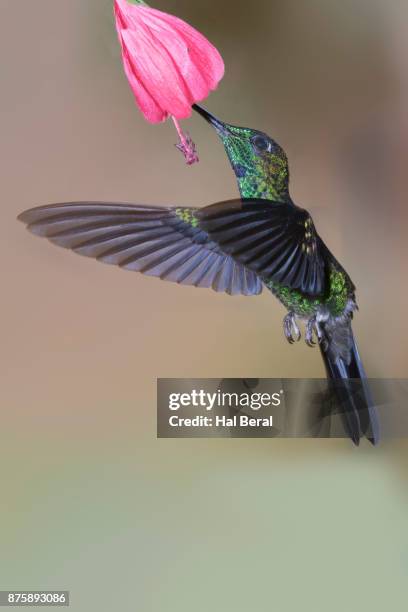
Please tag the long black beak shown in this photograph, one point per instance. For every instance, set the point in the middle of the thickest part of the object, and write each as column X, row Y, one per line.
column 221, row 128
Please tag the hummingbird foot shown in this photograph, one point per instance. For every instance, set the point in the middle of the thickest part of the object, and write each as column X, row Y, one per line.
column 313, row 328
column 290, row 327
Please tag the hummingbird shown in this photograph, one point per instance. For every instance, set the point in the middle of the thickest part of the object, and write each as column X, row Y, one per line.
column 261, row 240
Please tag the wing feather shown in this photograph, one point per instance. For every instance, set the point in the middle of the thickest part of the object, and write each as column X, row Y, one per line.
column 158, row 241
column 276, row 240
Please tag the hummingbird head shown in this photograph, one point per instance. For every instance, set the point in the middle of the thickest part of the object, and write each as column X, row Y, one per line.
column 259, row 163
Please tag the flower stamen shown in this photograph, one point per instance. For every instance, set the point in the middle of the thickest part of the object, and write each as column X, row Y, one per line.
column 186, row 145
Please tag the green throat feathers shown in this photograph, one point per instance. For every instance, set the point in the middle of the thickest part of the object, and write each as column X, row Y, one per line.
column 259, row 163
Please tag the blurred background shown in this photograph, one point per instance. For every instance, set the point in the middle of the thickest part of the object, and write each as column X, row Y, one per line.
column 92, row 501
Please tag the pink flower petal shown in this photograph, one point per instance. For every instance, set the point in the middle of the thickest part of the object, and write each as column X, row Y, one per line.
column 152, row 66
column 203, row 54
column 149, row 107
column 194, row 81
column 169, row 65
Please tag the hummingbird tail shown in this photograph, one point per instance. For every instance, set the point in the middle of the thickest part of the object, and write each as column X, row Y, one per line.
column 342, row 361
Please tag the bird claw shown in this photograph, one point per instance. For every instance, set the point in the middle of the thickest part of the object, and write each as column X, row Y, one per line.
column 313, row 329
column 290, row 327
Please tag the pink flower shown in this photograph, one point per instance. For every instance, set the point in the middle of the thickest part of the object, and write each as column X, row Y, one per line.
column 169, row 65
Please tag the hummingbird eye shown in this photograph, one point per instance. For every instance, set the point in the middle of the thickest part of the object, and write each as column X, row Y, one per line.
column 261, row 143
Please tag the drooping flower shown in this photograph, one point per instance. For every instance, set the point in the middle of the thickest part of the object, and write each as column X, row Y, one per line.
column 169, row 65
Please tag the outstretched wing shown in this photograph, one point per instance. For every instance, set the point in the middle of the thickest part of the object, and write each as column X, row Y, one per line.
column 276, row 240
column 158, row 241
